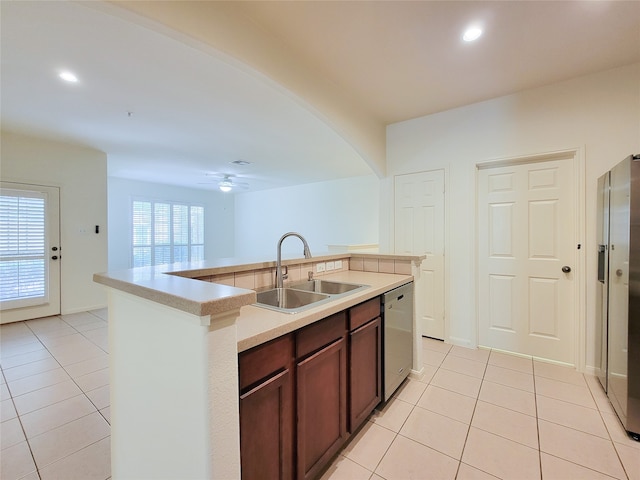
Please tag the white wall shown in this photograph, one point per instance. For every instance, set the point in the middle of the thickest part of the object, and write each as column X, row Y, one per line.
column 336, row 212
column 218, row 208
column 599, row 113
column 81, row 175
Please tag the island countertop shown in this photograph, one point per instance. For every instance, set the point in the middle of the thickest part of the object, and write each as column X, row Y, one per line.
column 195, row 324
column 177, row 286
column 257, row 325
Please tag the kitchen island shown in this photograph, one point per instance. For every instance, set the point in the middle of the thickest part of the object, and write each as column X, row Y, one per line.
column 174, row 337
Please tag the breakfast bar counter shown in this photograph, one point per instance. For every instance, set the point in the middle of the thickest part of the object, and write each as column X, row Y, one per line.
column 174, row 337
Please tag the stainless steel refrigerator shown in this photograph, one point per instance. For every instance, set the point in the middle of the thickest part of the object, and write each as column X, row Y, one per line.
column 618, row 294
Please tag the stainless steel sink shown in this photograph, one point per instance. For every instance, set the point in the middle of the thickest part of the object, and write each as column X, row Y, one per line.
column 325, row 286
column 300, row 296
column 289, row 299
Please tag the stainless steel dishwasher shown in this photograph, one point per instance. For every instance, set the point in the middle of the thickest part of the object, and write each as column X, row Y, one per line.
column 398, row 337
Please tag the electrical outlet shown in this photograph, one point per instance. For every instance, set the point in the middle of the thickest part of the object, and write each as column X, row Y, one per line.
column 330, row 266
column 320, row 267
column 338, row 264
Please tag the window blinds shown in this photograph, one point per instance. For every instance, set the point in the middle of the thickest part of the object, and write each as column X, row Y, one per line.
column 166, row 232
column 23, row 248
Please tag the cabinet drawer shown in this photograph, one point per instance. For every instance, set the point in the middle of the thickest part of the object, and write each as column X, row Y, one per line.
column 319, row 334
column 264, row 360
column 363, row 313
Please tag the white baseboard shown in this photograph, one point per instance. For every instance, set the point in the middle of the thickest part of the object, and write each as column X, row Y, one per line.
column 461, row 342
column 83, row 309
column 416, row 374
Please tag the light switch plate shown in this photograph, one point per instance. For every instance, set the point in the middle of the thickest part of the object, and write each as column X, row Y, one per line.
column 320, row 267
column 338, row 264
column 330, row 266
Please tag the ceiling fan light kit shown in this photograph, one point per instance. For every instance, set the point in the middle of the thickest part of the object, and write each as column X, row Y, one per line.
column 225, row 186
column 226, row 182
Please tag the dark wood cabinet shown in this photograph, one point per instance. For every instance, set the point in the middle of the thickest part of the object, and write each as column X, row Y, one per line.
column 267, row 410
column 321, row 393
column 365, row 375
column 301, row 395
column 365, row 361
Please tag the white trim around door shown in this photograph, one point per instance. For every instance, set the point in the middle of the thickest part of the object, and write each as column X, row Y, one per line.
column 509, row 208
column 30, row 251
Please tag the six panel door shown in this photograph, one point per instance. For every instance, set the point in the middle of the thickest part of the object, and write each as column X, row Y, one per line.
column 526, row 238
column 419, row 229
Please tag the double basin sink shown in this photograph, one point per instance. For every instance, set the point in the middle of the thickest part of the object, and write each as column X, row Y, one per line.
column 300, row 296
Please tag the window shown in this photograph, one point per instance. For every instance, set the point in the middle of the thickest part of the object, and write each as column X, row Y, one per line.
column 22, row 248
column 166, row 232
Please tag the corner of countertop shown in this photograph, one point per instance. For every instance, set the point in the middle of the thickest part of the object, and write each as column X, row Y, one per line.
column 186, row 294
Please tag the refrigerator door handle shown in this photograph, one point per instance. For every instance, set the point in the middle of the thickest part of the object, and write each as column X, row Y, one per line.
column 602, row 249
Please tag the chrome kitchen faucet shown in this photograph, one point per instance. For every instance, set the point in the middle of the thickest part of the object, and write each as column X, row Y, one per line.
column 307, row 254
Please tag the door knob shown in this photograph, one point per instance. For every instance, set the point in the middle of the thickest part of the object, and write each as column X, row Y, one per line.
column 566, row 269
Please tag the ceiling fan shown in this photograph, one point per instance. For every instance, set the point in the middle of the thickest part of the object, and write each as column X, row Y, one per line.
column 226, row 182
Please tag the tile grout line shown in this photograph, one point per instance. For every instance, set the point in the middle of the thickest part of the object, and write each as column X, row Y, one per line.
column 613, row 442
column 475, row 405
column 81, row 332
column 75, row 383
column 535, row 416
column 72, row 453
column 575, row 429
column 18, row 416
column 397, row 434
column 74, row 380
column 535, row 403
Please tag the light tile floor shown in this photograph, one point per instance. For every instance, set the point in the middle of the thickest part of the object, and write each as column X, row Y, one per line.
column 480, row 414
column 55, row 398
column 476, row 414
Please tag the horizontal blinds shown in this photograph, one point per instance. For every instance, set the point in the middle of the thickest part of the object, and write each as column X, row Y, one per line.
column 23, row 246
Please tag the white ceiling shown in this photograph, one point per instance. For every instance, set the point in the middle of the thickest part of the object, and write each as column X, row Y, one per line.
column 194, row 110
column 406, row 59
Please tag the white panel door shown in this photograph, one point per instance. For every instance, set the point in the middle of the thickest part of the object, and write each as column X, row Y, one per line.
column 526, row 235
column 419, row 229
column 29, row 251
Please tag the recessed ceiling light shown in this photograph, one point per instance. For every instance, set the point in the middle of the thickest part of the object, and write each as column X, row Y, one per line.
column 68, row 76
column 471, row 34
column 240, row 162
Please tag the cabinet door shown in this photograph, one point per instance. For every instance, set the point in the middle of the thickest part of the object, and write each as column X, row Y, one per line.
column 266, row 429
column 322, row 407
column 365, row 372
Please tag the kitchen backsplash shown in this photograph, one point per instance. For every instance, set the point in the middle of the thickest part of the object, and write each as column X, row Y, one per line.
column 265, row 278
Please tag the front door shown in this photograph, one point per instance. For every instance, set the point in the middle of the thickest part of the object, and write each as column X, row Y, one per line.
column 29, row 251
column 526, row 253
column 419, row 229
